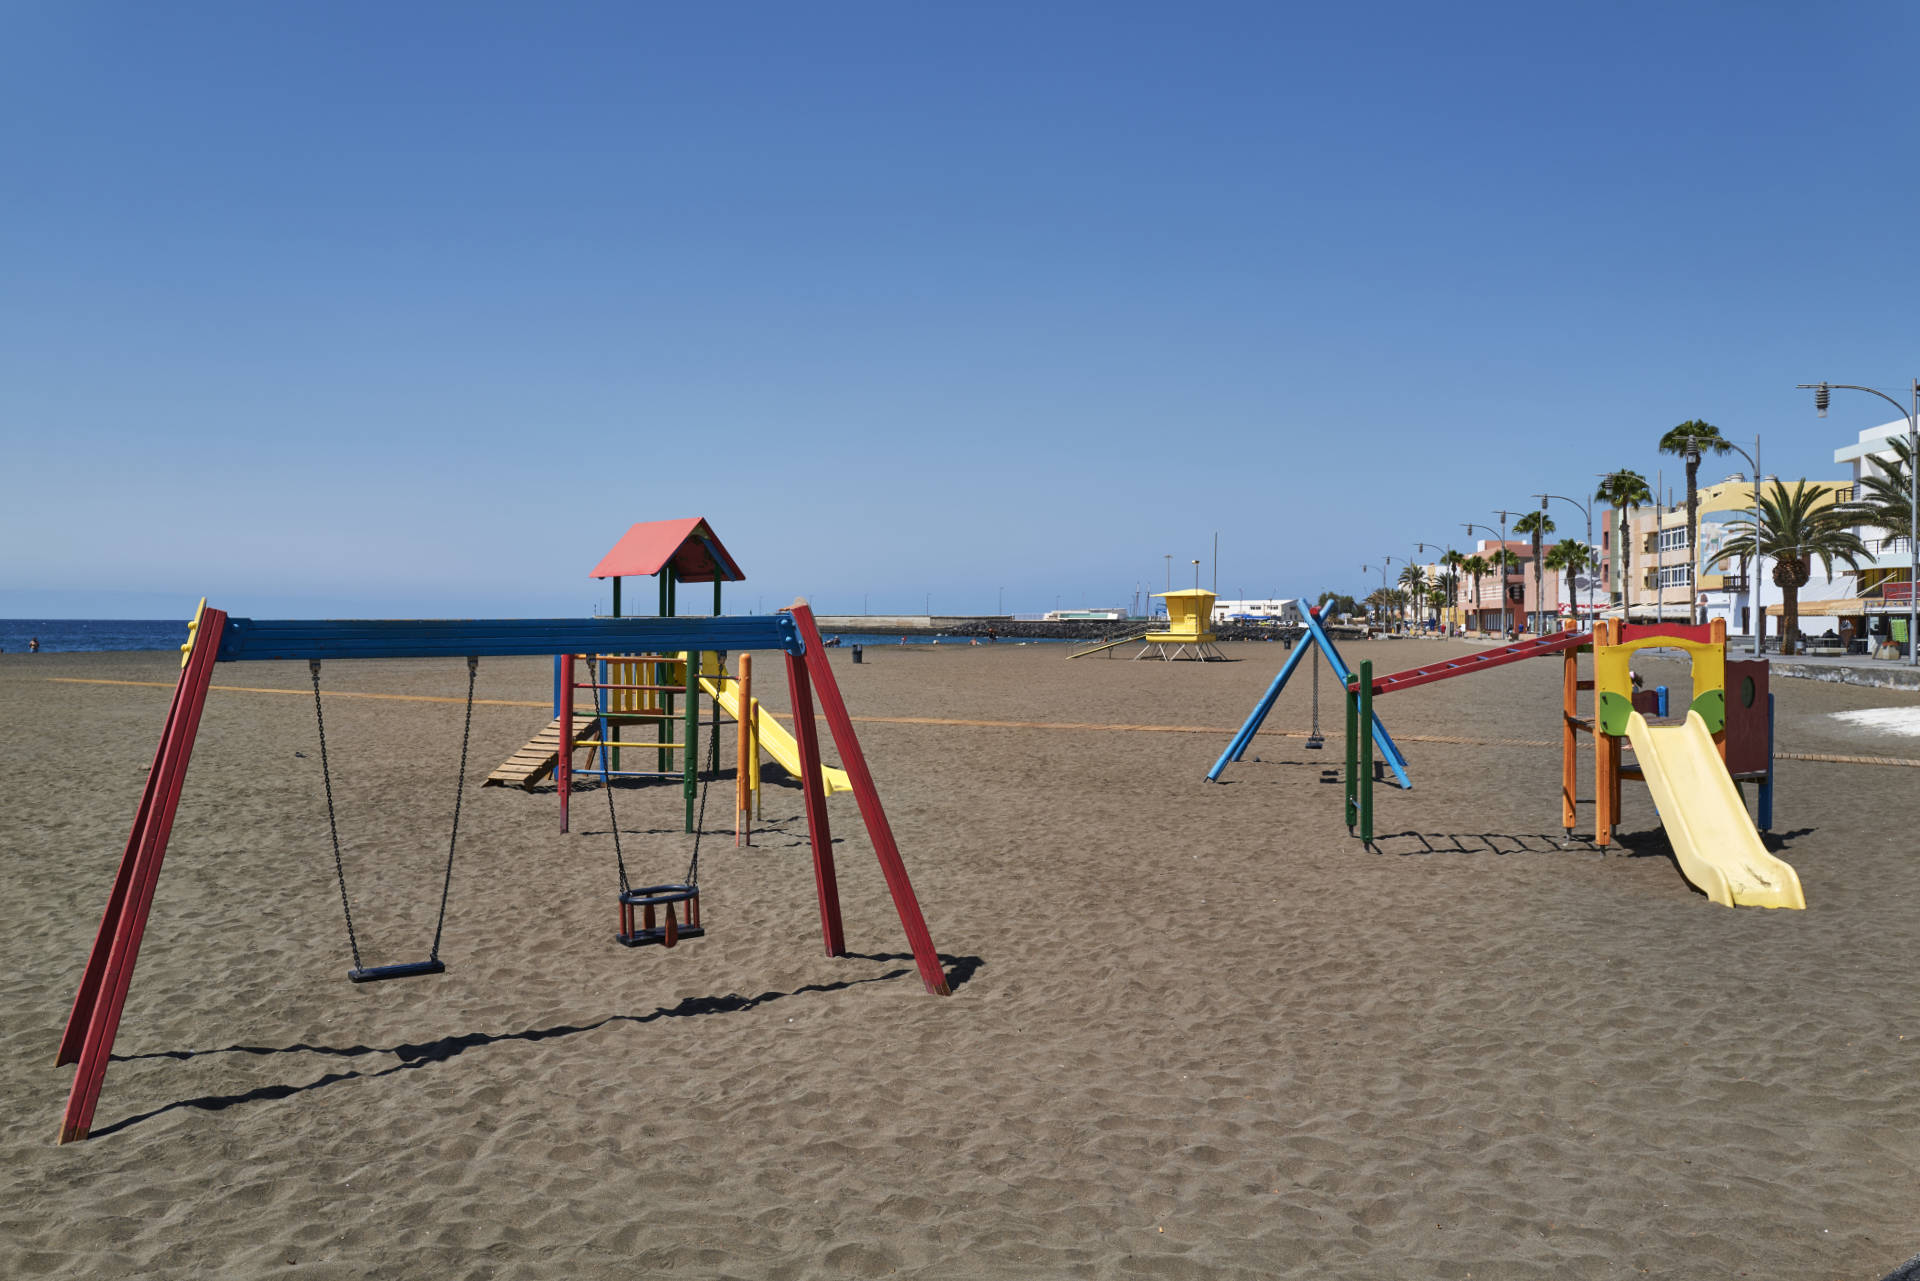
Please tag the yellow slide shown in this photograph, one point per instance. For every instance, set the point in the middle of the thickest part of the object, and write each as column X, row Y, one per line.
column 1706, row 820
column 773, row 737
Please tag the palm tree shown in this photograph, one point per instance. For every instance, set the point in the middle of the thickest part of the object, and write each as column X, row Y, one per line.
column 1336, row 603
column 1794, row 529
column 1539, row 525
column 1414, row 579
column 1622, row 491
column 1475, row 567
column 1437, row 595
column 1448, row 586
column 1693, row 440
column 1453, row 560
column 1570, row 556
column 1884, row 502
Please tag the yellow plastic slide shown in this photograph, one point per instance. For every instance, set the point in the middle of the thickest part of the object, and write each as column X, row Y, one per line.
column 773, row 736
column 1706, row 820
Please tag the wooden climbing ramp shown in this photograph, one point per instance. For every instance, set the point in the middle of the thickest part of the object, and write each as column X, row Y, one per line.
column 533, row 762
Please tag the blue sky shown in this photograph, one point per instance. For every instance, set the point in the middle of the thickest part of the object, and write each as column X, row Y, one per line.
column 411, row 309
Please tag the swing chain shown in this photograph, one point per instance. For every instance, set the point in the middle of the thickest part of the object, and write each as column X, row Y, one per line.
column 459, row 791
column 613, row 821
column 333, row 827
column 713, row 767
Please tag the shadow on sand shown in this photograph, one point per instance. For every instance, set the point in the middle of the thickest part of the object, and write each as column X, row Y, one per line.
column 959, row 970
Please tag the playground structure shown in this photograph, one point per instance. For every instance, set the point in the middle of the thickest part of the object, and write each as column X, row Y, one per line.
column 216, row 638
column 630, row 691
column 1693, row 769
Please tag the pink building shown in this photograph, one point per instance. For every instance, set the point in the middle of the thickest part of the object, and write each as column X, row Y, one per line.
column 1527, row 607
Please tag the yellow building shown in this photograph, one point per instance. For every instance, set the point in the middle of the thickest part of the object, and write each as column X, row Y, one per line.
column 1673, row 581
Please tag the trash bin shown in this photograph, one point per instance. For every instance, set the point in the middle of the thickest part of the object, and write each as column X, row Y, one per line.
column 857, row 649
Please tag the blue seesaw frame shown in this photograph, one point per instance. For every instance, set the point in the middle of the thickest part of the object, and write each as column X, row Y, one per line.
column 1389, row 750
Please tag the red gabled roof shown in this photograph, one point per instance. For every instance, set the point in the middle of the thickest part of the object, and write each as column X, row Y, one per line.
column 689, row 546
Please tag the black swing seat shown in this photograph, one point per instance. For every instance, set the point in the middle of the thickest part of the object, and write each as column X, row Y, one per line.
column 405, row 970
column 667, row 928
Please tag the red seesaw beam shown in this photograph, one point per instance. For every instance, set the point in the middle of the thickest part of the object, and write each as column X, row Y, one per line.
column 1480, row 662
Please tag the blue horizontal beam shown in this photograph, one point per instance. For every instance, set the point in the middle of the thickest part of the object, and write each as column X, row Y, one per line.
column 246, row 639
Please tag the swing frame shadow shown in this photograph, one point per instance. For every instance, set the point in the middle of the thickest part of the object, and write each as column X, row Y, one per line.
column 214, row 638
column 414, row 1056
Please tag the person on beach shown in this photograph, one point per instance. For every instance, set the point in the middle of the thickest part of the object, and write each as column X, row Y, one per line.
column 33, row 645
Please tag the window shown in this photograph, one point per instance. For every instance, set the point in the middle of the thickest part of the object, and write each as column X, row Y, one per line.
column 1676, row 576
column 1673, row 539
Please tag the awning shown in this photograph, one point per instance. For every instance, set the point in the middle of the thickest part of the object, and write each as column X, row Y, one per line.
column 1822, row 608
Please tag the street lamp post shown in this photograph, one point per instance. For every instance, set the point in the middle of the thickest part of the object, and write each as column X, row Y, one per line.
column 1421, row 549
column 1505, row 621
column 1383, row 583
column 1753, row 570
column 1587, row 508
column 1820, row 396
column 1469, row 526
column 1624, row 534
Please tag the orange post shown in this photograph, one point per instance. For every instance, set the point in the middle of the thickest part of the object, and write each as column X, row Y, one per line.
column 1569, row 752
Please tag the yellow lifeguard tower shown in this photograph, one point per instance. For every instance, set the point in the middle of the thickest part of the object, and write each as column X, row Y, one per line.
column 1188, row 634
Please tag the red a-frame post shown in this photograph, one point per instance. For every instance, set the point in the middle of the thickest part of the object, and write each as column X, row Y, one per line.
column 868, row 796
column 103, row 988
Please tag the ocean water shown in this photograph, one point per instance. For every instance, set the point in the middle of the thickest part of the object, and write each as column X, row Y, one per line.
column 70, row 635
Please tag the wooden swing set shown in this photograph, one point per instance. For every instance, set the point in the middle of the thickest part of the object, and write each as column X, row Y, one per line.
column 213, row 638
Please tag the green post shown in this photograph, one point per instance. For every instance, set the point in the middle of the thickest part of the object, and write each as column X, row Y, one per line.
column 1353, row 754
column 665, row 763
column 663, row 727
column 689, row 756
column 1364, row 713
column 716, row 594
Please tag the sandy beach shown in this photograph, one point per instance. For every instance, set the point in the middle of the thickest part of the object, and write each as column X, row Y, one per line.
column 1196, row 1031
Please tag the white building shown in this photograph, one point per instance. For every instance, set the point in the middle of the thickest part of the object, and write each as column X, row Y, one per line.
column 1271, row 610
column 1890, row 556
